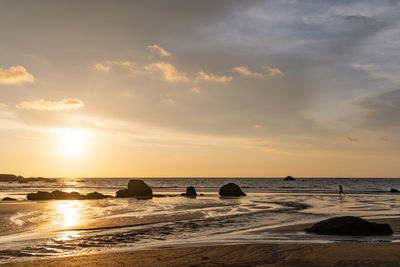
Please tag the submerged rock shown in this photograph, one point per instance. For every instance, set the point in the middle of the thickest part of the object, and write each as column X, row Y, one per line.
column 349, row 225
column 8, row 199
column 394, row 190
column 60, row 195
column 96, row 195
column 190, row 192
column 289, row 178
column 231, row 190
column 136, row 188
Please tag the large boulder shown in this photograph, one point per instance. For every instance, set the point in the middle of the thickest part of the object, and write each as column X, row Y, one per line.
column 289, row 178
column 231, row 190
column 10, row 178
column 393, row 190
column 136, row 188
column 190, row 192
column 349, row 225
column 40, row 195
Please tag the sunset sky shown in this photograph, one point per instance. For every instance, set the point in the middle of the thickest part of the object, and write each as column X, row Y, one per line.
column 200, row 88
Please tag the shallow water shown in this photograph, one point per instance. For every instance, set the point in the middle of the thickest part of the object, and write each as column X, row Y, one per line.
column 55, row 228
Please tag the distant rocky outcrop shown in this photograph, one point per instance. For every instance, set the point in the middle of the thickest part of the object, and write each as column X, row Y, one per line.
column 393, row 190
column 10, row 178
column 289, row 178
column 60, row 195
column 136, row 188
column 22, row 180
column 190, row 192
column 349, row 225
column 8, row 199
column 231, row 190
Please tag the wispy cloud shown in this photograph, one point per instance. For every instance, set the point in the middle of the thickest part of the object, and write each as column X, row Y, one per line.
column 246, row 72
column 258, row 126
column 105, row 66
column 15, row 75
column 168, row 71
column 64, row 104
column 195, row 90
column 211, row 77
column 269, row 72
column 168, row 101
column 158, row 51
column 350, row 139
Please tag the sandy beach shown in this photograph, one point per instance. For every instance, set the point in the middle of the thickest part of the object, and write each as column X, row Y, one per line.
column 328, row 254
column 337, row 254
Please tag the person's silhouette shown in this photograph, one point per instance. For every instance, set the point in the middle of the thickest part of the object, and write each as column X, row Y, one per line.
column 341, row 190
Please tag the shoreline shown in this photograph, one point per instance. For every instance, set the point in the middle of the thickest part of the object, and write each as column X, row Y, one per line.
column 334, row 254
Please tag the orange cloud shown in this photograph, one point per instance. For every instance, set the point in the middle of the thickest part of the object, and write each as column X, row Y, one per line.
column 168, row 71
column 15, row 75
column 159, row 51
column 64, row 104
column 270, row 72
column 210, row 77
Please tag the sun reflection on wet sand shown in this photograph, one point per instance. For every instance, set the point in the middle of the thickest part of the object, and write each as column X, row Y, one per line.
column 68, row 213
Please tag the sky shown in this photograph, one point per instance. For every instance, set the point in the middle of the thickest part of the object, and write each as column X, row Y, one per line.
column 200, row 88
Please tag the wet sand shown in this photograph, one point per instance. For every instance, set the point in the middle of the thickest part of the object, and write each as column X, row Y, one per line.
column 336, row 254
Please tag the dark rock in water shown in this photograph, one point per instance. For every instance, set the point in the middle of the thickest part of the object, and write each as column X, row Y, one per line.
column 8, row 199
column 289, row 178
column 139, row 188
column 123, row 193
column 9, row 178
column 60, row 195
column 349, row 225
column 394, row 190
column 96, row 195
column 190, row 192
column 136, row 188
column 40, row 195
column 231, row 190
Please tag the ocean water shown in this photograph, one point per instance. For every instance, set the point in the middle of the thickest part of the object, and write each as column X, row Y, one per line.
column 31, row 229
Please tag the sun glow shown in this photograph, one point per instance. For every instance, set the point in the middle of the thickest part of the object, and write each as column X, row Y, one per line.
column 68, row 213
column 72, row 141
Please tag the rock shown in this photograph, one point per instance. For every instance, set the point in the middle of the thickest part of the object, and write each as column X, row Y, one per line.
column 289, row 178
column 231, row 190
column 60, row 195
column 96, row 195
column 22, row 182
column 9, row 178
column 349, row 225
column 40, row 195
column 394, row 190
column 8, row 199
column 190, row 192
column 136, row 188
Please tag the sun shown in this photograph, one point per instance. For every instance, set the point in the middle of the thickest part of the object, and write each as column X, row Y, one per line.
column 72, row 142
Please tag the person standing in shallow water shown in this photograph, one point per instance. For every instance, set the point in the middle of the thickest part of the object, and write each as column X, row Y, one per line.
column 341, row 190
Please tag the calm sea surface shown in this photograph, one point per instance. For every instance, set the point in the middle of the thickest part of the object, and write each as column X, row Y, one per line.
column 55, row 228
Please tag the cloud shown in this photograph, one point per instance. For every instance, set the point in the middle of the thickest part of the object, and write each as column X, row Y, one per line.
column 195, row 90
column 2, row 105
column 210, row 77
column 270, row 72
column 258, row 126
column 64, row 104
column 273, row 72
column 159, row 51
column 168, row 101
column 350, row 139
column 246, row 72
column 102, row 67
column 106, row 65
column 15, row 75
column 168, row 71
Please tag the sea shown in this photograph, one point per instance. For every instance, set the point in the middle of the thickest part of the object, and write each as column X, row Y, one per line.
column 37, row 229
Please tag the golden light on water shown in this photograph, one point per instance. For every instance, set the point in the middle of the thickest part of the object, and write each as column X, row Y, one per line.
column 68, row 213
